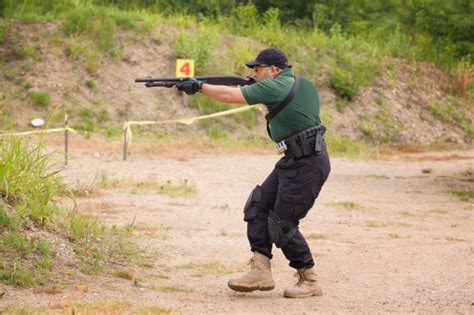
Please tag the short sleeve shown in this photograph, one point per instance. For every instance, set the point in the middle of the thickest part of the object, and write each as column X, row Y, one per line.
column 262, row 92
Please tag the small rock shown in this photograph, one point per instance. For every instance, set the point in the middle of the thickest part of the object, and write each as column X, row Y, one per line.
column 37, row 122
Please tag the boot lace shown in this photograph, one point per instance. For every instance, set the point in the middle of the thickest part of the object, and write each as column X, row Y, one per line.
column 251, row 263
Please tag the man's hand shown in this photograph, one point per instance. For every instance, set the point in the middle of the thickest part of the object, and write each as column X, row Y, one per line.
column 192, row 86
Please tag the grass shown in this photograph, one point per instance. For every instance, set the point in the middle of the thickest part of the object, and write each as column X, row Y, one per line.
column 125, row 274
column 91, row 84
column 408, row 213
column 455, row 239
column 439, row 211
column 40, row 98
column 108, row 306
column 183, row 188
column 172, row 289
column 213, row 267
column 30, row 191
column 348, row 205
column 377, row 176
column 379, row 224
column 317, row 236
column 463, row 195
column 91, row 188
column 395, row 235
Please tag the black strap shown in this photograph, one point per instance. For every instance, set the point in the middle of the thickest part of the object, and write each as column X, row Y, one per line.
column 283, row 104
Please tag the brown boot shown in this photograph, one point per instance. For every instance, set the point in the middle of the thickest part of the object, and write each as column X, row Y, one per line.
column 258, row 278
column 307, row 285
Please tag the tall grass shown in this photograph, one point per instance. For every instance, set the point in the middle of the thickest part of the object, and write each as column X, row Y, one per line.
column 31, row 191
column 29, row 181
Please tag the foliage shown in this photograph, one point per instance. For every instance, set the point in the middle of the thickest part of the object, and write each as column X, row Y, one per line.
column 198, row 45
column 29, row 192
column 94, row 21
column 29, row 181
column 6, row 26
column 452, row 113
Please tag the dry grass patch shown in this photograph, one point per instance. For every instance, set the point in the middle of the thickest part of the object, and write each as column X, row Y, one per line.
column 171, row 289
column 455, row 239
column 348, row 205
column 317, row 236
column 53, row 289
column 377, row 176
column 214, row 267
column 408, row 213
column 134, row 186
column 109, row 306
column 125, row 274
column 378, row 224
column 463, row 195
column 159, row 276
column 439, row 211
column 426, row 171
column 91, row 188
column 97, row 206
column 395, row 235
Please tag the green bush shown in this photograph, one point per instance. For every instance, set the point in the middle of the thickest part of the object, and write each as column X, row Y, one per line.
column 198, row 46
column 91, row 84
column 343, row 84
column 17, row 274
column 40, row 98
column 74, row 48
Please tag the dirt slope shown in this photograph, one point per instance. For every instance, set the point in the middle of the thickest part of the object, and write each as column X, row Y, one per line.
column 395, row 108
column 386, row 235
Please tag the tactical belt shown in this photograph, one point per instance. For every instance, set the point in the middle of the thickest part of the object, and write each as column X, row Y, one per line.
column 297, row 145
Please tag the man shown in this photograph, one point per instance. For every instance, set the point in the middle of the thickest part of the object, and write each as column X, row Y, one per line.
column 275, row 207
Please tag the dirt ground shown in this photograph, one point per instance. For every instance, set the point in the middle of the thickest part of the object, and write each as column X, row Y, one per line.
column 387, row 235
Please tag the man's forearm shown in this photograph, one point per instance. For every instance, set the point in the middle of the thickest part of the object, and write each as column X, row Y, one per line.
column 224, row 94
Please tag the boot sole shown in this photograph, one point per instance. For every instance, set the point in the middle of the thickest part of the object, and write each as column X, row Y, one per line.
column 310, row 294
column 240, row 288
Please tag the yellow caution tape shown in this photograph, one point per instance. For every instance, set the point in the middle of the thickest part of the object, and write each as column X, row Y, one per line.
column 37, row 131
column 185, row 121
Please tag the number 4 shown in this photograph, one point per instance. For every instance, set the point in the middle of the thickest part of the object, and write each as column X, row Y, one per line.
column 185, row 69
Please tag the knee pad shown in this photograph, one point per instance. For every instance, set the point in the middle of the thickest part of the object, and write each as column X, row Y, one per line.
column 280, row 231
column 250, row 209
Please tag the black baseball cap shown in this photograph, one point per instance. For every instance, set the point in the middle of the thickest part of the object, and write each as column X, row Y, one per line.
column 270, row 57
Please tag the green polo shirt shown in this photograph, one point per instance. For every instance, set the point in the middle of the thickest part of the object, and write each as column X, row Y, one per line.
column 301, row 113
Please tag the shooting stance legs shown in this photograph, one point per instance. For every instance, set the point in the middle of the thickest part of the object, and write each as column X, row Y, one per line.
column 272, row 213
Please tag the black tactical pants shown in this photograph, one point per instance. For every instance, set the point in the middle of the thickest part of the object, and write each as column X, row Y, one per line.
column 290, row 191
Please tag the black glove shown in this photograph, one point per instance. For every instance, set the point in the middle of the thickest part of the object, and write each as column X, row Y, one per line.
column 190, row 87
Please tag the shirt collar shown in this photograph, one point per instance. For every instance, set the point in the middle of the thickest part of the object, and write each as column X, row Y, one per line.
column 285, row 72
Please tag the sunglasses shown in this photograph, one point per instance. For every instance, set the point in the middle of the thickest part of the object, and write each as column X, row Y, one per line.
column 259, row 68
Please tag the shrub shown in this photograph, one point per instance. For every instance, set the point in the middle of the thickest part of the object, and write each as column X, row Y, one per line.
column 40, row 98
column 342, row 82
column 91, row 84
column 198, row 46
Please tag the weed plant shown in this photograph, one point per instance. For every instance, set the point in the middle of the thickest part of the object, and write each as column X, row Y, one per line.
column 31, row 191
